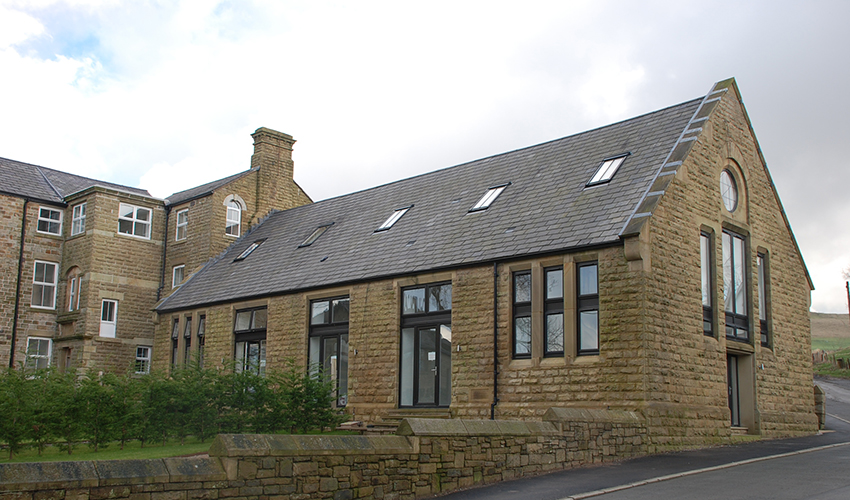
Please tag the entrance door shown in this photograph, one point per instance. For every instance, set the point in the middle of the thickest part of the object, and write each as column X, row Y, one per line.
column 426, row 366
column 732, row 382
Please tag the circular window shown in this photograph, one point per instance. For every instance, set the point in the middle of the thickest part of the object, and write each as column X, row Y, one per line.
column 728, row 191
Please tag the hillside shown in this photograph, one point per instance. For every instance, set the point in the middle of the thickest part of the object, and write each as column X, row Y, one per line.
column 830, row 326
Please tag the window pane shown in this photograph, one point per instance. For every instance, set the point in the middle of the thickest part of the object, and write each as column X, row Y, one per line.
column 260, row 316
column 587, row 280
column 555, row 284
column 243, row 321
column 522, row 287
column 589, row 325
column 126, row 211
column 40, row 271
column 315, row 346
column 762, row 290
column 728, row 292
column 740, row 276
column 522, row 336
column 555, row 333
column 320, row 313
column 406, row 380
column 414, row 301
column 342, row 383
column 141, row 229
column 125, row 227
column 445, row 365
column 143, row 214
column 705, row 268
column 440, row 298
column 340, row 311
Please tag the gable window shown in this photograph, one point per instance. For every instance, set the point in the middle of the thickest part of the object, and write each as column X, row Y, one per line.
column 108, row 315
column 182, row 224
column 187, row 340
column 315, row 235
column 245, row 253
column 175, row 338
column 134, row 221
column 78, row 219
column 38, row 353
column 202, row 326
column 522, row 314
column 329, row 342
column 728, row 191
column 177, row 273
column 606, row 170
column 764, row 291
column 426, row 346
column 249, row 332
column 587, row 284
column 233, row 219
column 143, row 360
column 489, row 197
column 553, row 312
column 396, row 215
column 44, row 285
column 49, row 221
column 705, row 256
column 735, row 287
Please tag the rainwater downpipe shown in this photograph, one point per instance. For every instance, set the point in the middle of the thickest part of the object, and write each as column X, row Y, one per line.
column 164, row 249
column 495, row 341
column 18, row 285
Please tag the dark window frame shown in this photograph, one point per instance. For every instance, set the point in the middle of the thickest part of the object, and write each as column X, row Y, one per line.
column 493, row 192
column 332, row 329
column 765, row 336
column 175, row 338
column 201, row 334
column 422, row 321
column 553, row 306
column 315, row 235
column 604, row 179
column 586, row 303
column 521, row 311
column 251, row 335
column 707, row 268
column 737, row 321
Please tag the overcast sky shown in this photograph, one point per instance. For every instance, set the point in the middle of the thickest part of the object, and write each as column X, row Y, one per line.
column 164, row 95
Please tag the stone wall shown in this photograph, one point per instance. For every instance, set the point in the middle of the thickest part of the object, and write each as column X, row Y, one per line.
column 427, row 457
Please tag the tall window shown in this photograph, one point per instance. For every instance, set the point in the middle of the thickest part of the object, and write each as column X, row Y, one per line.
column 182, row 224
column 135, row 221
column 233, row 219
column 705, row 254
column 44, row 285
column 588, row 308
column 187, row 340
column 74, row 283
column 553, row 312
column 78, row 219
column 177, row 275
column 426, row 346
column 108, row 315
column 38, row 353
column 143, row 360
column 202, row 326
column 763, row 299
column 175, row 339
column 249, row 333
column 49, row 221
column 522, row 314
column 329, row 342
column 735, row 287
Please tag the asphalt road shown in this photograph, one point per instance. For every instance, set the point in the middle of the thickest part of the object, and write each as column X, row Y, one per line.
column 815, row 467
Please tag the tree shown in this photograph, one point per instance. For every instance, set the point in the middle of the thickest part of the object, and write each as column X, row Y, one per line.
column 15, row 409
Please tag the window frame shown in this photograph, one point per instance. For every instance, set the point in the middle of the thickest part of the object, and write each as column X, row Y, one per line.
column 490, row 196
column 763, row 262
column 586, row 303
column 250, row 336
column 36, row 356
column 397, row 214
column 248, row 251
column 174, row 281
column 113, row 322
column 49, row 221
column 78, row 221
column 187, row 339
column 44, row 284
column 607, row 169
column 135, row 221
column 201, row 334
column 735, row 320
column 553, row 306
column 143, row 362
column 521, row 310
column 175, row 340
column 315, row 235
column 334, row 328
column 233, row 206
column 75, row 282
column 184, row 225
column 707, row 281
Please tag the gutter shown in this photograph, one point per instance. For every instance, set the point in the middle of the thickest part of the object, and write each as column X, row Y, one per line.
column 495, row 341
column 18, row 285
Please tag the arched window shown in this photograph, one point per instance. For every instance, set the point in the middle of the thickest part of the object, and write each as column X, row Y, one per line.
column 234, row 218
column 73, row 290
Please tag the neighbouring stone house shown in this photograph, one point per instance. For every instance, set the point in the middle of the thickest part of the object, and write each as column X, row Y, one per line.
column 644, row 266
column 83, row 262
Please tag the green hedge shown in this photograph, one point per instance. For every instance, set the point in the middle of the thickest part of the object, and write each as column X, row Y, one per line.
column 46, row 406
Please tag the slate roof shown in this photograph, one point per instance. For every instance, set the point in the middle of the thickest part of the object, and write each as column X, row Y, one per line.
column 45, row 184
column 546, row 208
column 202, row 190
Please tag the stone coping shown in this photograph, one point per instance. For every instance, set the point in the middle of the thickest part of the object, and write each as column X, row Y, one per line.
column 594, row 415
column 458, row 427
column 31, row 476
column 270, row 445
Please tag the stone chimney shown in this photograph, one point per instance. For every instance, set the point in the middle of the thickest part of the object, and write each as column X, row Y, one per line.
column 273, row 152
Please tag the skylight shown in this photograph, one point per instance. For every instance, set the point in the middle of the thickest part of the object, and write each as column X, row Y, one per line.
column 607, row 170
column 248, row 250
column 396, row 215
column 489, row 197
column 315, row 235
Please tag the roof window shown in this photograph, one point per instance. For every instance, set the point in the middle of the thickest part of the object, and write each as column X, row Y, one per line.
column 315, row 235
column 245, row 253
column 489, row 197
column 396, row 215
column 607, row 169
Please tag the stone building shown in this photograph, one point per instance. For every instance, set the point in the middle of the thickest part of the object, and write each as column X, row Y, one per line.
column 83, row 262
column 645, row 266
